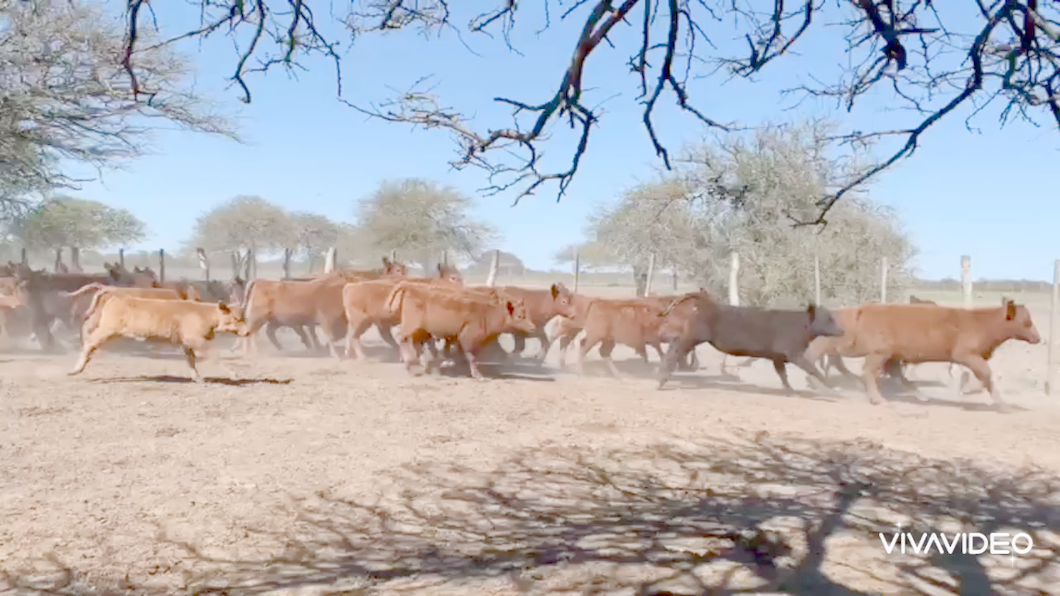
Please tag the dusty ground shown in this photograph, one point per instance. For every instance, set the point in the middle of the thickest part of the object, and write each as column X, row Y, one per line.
column 306, row 475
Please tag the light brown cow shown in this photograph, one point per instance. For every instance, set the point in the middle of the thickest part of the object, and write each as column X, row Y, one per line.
column 187, row 324
column 473, row 319
column 365, row 304
column 306, row 331
column 543, row 306
column 635, row 323
column 81, row 298
column 918, row 333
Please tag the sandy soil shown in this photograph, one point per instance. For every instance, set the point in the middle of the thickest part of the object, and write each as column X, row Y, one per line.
column 311, row 476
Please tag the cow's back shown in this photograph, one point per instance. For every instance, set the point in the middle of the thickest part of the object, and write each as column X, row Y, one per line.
column 913, row 332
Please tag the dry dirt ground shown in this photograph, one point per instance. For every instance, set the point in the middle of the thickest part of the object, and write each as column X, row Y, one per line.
column 310, row 476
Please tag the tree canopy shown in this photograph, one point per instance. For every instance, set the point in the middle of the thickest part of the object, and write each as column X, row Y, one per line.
column 244, row 222
column 62, row 221
column 421, row 219
column 66, row 97
column 740, row 194
column 932, row 60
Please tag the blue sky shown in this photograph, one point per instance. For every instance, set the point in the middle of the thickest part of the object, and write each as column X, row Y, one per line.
column 991, row 195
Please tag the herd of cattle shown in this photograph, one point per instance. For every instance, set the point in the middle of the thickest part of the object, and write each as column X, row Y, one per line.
column 441, row 314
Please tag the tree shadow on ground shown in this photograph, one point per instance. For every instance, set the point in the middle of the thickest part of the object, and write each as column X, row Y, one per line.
column 717, row 517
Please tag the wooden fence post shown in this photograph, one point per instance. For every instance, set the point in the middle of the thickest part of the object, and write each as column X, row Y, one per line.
column 816, row 280
column 329, row 259
column 287, row 263
column 393, row 255
column 495, row 264
column 25, row 256
column 577, row 270
column 883, row 280
column 734, row 278
column 75, row 259
column 1052, row 383
column 58, row 259
column 121, row 257
column 204, row 263
column 235, row 263
column 674, row 271
column 162, row 265
column 651, row 275
column 966, row 280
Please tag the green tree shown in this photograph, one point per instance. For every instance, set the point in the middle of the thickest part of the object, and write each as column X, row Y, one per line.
column 67, row 222
column 313, row 234
column 740, row 194
column 932, row 60
column 66, row 97
column 244, row 223
column 422, row 219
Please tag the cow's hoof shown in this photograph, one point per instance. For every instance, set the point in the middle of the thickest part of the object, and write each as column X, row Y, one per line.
column 1004, row 408
column 920, row 397
column 73, row 373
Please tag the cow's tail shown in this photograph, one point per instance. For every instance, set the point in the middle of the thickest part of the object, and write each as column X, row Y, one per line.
column 395, row 299
column 248, row 297
column 670, row 307
column 95, row 311
column 92, row 287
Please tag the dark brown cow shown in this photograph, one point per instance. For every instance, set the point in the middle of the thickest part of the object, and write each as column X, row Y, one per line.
column 778, row 335
column 473, row 320
column 918, row 333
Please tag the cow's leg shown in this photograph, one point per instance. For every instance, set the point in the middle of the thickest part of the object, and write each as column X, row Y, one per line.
column 693, row 361
column 386, row 335
column 189, row 357
column 894, row 369
column 564, row 347
column 870, row 376
column 91, row 344
column 606, row 347
column 299, row 330
column 472, row 362
column 354, row 330
column 839, row 365
column 675, row 352
column 781, row 367
column 329, row 326
column 519, row 341
column 981, row 369
column 588, row 342
column 815, row 378
column 545, row 344
column 250, row 346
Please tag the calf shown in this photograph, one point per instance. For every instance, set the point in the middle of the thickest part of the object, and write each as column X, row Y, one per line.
column 918, row 333
column 543, row 306
column 778, row 335
column 189, row 325
column 473, row 320
column 634, row 323
column 81, row 298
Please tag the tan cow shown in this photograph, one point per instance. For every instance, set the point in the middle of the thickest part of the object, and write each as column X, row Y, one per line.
column 365, row 304
column 635, row 323
column 190, row 325
column 917, row 333
column 81, row 298
column 472, row 319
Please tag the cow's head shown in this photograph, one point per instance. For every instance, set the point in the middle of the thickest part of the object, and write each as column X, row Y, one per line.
column 450, row 274
column 562, row 300
column 1018, row 323
column 230, row 319
column 237, row 291
column 520, row 316
column 822, row 323
column 394, row 268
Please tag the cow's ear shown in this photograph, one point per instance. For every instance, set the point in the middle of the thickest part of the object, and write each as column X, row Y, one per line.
column 511, row 307
column 386, row 262
column 1010, row 310
column 221, row 306
column 555, row 291
column 811, row 309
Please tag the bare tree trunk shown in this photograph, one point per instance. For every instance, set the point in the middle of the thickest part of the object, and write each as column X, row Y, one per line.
column 640, row 278
column 75, row 259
